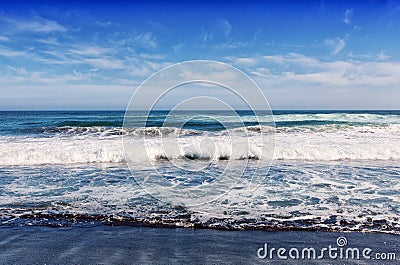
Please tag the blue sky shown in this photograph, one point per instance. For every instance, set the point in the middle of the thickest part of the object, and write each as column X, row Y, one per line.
column 303, row 54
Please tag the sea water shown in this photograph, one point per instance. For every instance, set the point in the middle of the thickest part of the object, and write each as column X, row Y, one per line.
column 330, row 170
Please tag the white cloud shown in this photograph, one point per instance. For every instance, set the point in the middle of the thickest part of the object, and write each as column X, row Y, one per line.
column 309, row 70
column 292, row 58
column 17, row 71
column 48, row 41
column 89, row 50
column 145, row 68
column 382, row 56
column 299, row 81
column 7, row 52
column 34, row 24
column 262, row 72
column 337, row 45
column 359, row 56
column 105, row 63
column 105, row 24
column 242, row 61
column 348, row 15
column 152, row 56
column 141, row 71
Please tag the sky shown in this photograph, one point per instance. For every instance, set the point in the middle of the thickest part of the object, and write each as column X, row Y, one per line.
column 302, row 54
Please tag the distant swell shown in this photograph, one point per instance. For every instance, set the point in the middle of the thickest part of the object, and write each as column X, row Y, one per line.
column 90, row 123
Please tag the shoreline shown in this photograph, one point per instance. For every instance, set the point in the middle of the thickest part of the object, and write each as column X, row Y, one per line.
column 184, row 220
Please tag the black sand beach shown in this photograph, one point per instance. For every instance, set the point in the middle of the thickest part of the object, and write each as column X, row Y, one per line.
column 143, row 245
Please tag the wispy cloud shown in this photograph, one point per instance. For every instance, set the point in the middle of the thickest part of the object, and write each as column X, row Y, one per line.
column 218, row 30
column 205, row 35
column 105, row 63
column 348, row 15
column 292, row 45
column 151, row 56
column 242, row 61
column 310, row 70
column 359, row 56
column 337, row 45
column 34, row 24
column 382, row 56
column 230, row 45
column 4, row 38
column 22, row 76
column 48, row 41
column 134, row 39
column 95, row 57
column 147, row 39
column 89, row 50
column 157, row 26
column 226, row 27
column 178, row 46
column 105, row 24
column 7, row 52
column 17, row 71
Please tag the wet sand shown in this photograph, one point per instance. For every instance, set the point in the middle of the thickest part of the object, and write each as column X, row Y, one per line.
column 144, row 245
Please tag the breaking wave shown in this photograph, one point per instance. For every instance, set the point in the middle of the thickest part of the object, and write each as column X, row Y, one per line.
column 69, row 145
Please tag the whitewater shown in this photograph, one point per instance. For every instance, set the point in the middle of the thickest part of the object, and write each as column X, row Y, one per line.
column 104, row 145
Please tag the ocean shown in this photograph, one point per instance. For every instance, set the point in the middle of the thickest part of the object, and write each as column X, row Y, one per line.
column 328, row 170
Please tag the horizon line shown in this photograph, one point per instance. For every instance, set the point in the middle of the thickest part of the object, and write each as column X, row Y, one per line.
column 277, row 109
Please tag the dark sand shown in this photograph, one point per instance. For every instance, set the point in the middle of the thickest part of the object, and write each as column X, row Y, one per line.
column 143, row 245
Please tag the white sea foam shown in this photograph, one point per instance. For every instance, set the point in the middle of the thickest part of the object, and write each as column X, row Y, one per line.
column 325, row 143
column 110, row 131
column 56, row 150
column 322, row 196
column 340, row 117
